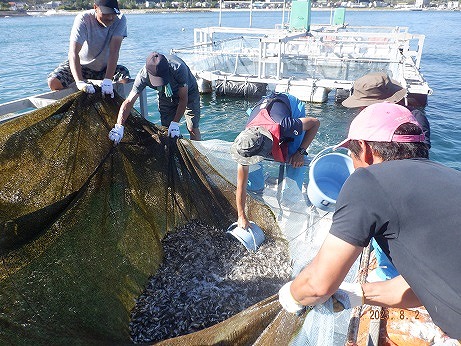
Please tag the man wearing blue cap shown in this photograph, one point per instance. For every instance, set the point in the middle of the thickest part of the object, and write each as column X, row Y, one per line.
column 95, row 42
column 177, row 91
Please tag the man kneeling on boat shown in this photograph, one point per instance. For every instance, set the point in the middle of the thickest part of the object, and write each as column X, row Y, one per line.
column 94, row 49
column 386, row 198
column 277, row 129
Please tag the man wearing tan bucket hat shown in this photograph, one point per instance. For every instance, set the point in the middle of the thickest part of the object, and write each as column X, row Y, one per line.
column 386, row 198
column 379, row 87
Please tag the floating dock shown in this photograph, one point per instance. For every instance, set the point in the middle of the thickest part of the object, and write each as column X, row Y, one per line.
column 308, row 62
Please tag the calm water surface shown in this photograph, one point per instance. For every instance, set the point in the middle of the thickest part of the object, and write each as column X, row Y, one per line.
column 32, row 47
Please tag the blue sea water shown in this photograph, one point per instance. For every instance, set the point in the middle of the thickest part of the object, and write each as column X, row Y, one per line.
column 31, row 47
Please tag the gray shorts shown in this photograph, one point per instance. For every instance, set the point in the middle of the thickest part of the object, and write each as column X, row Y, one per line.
column 167, row 108
column 64, row 74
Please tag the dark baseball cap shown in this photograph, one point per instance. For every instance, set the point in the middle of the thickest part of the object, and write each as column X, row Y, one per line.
column 157, row 69
column 108, row 6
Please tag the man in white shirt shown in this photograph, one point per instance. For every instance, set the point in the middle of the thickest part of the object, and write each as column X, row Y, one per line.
column 95, row 42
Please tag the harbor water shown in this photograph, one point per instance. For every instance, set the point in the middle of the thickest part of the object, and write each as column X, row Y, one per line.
column 31, row 47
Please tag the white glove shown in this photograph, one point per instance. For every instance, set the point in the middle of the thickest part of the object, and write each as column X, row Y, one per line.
column 446, row 341
column 352, row 292
column 173, row 130
column 116, row 134
column 86, row 87
column 287, row 301
column 107, row 87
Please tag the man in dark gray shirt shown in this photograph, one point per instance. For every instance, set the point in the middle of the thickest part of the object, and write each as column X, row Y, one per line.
column 410, row 205
column 177, row 91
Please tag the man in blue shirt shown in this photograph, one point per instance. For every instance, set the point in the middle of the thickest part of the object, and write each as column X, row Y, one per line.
column 277, row 129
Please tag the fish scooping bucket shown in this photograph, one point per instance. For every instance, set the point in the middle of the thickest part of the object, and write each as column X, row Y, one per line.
column 327, row 174
column 251, row 237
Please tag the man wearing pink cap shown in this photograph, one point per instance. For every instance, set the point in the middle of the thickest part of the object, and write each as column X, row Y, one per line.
column 410, row 205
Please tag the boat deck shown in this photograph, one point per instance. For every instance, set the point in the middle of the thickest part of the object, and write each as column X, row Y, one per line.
column 13, row 109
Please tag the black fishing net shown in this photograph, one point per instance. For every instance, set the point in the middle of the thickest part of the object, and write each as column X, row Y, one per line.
column 81, row 224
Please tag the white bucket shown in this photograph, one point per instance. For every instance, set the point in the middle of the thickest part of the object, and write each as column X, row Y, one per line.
column 327, row 174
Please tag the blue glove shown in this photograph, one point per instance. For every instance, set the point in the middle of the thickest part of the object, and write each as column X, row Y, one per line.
column 287, row 301
column 86, row 87
column 107, row 87
column 173, row 130
column 116, row 134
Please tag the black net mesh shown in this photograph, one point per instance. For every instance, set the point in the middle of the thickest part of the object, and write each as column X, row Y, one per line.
column 81, row 223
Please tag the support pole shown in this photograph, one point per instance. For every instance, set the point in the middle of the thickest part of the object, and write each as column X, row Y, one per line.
column 357, row 311
column 251, row 13
column 220, row 12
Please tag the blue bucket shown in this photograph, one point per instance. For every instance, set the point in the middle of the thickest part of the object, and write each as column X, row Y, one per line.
column 327, row 174
column 251, row 237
